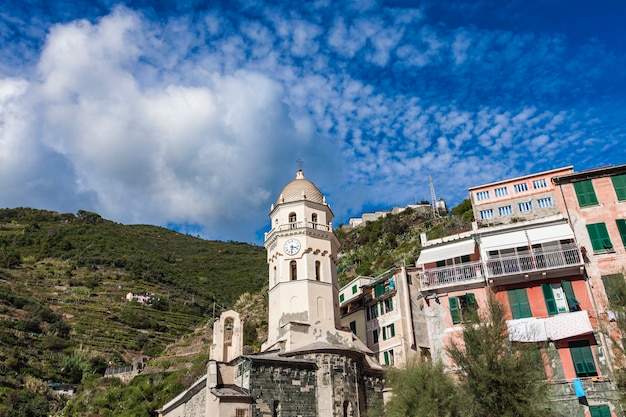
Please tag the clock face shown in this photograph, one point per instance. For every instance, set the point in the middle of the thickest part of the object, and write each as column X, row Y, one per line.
column 292, row 246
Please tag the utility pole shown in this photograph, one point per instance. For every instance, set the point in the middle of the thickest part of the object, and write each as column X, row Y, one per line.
column 433, row 197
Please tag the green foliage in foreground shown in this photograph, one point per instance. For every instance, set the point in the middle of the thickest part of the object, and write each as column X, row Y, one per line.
column 498, row 378
column 423, row 389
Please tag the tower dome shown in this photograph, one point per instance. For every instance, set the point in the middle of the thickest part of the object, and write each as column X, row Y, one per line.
column 300, row 189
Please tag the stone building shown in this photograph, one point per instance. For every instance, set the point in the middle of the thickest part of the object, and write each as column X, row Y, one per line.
column 309, row 366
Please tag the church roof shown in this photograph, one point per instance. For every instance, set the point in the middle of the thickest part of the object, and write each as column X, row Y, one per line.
column 300, row 189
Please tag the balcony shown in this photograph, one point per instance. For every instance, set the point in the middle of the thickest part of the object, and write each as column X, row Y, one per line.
column 466, row 273
column 298, row 225
column 558, row 263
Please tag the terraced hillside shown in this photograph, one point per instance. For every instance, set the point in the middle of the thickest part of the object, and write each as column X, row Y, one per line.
column 63, row 283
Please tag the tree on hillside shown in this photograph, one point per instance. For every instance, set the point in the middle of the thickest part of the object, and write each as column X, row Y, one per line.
column 499, row 378
column 423, row 389
column 464, row 210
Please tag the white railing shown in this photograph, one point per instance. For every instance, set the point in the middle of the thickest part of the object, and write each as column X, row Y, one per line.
column 538, row 261
column 457, row 274
column 498, row 267
column 298, row 225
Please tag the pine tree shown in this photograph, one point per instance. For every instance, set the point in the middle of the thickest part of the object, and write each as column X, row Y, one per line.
column 499, row 378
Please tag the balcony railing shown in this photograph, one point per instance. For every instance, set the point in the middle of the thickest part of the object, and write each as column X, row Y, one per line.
column 499, row 267
column 298, row 225
column 452, row 275
column 540, row 261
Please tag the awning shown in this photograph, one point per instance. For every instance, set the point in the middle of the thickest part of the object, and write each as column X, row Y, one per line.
column 551, row 233
column 504, row 241
column 446, row 251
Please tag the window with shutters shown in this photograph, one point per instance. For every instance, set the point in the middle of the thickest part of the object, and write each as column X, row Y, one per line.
column 353, row 327
column 388, row 304
column 388, row 357
column 341, row 298
column 599, row 236
column 548, row 295
column 599, row 411
column 619, row 184
column 621, row 227
column 375, row 335
column 615, row 287
column 518, row 302
column 462, row 306
column 241, row 412
column 389, row 331
column 560, row 298
column 354, row 289
column 584, row 365
column 585, row 193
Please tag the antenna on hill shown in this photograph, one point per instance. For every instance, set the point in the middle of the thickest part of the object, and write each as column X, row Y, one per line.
column 433, row 197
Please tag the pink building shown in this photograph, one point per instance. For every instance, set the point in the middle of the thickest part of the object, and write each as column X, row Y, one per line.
column 595, row 203
column 523, row 198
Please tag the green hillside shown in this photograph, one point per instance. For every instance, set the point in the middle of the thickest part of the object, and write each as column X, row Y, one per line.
column 63, row 279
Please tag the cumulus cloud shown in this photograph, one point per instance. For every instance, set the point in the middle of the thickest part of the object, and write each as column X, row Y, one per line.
column 196, row 120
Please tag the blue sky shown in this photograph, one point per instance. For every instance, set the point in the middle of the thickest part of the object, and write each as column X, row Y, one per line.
column 192, row 114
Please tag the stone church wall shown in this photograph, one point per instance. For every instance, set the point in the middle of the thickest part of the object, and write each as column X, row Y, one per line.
column 333, row 386
column 292, row 386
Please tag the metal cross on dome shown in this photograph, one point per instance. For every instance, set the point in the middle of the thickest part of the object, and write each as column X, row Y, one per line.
column 300, row 162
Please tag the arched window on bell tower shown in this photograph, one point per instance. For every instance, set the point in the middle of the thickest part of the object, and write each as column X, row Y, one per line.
column 275, row 277
column 293, row 269
column 314, row 220
column 317, row 270
column 292, row 220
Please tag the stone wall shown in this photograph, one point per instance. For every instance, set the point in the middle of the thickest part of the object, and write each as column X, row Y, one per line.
column 293, row 386
column 331, row 385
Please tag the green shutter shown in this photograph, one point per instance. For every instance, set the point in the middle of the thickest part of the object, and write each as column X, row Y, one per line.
column 518, row 301
column 615, row 288
column 619, row 183
column 600, row 411
column 585, row 193
column 354, row 289
column 572, row 302
column 583, row 360
column 390, row 304
column 341, row 298
column 548, row 295
column 455, row 311
column 621, row 226
column 393, row 329
column 386, row 355
column 599, row 236
column 375, row 336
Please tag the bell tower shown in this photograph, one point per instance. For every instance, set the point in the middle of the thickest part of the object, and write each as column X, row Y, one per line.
column 302, row 256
